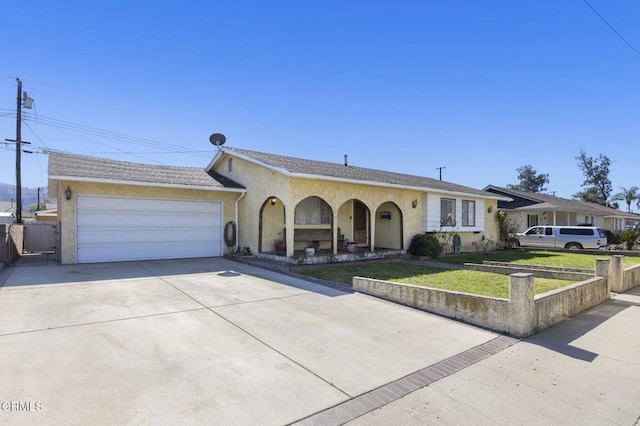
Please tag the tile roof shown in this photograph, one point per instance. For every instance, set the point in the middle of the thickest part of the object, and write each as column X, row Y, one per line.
column 80, row 167
column 551, row 202
column 299, row 166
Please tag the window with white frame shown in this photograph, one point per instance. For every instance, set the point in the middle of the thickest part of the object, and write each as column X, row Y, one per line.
column 618, row 224
column 468, row 213
column 312, row 211
column 447, row 212
column 532, row 220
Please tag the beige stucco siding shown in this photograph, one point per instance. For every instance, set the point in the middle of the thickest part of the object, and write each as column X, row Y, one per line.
column 262, row 184
column 67, row 208
column 336, row 194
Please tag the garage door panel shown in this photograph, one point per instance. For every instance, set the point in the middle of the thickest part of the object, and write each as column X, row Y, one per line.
column 144, row 204
column 152, row 234
column 118, row 229
column 140, row 251
column 136, row 219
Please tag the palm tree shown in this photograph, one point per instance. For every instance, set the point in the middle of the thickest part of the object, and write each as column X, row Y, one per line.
column 628, row 196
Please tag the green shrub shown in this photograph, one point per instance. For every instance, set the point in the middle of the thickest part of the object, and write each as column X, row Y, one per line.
column 612, row 238
column 507, row 229
column 425, row 245
column 630, row 238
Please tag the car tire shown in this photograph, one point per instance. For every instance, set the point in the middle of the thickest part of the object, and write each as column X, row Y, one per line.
column 573, row 246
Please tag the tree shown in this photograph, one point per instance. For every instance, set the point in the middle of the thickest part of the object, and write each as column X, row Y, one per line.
column 507, row 229
column 596, row 183
column 42, row 206
column 530, row 180
column 628, row 196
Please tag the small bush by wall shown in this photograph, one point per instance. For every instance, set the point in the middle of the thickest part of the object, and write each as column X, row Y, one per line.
column 425, row 245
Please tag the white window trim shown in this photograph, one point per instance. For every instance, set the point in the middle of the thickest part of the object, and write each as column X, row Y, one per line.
column 431, row 214
column 465, row 213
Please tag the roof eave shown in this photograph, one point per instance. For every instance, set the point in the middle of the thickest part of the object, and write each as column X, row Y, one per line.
column 215, row 159
column 513, row 193
column 353, row 181
column 396, row 186
column 137, row 183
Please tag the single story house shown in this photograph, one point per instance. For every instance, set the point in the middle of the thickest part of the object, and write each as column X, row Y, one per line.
column 115, row 211
column 532, row 209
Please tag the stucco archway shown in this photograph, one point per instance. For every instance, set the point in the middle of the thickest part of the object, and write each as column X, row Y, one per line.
column 354, row 222
column 271, row 226
column 313, row 224
column 389, row 226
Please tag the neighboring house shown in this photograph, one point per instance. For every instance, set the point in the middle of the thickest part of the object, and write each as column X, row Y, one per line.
column 633, row 223
column 7, row 218
column 48, row 215
column 111, row 210
column 10, row 207
column 531, row 209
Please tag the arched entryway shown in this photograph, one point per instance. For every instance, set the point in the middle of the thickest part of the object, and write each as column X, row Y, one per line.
column 389, row 226
column 271, row 228
column 354, row 222
column 313, row 224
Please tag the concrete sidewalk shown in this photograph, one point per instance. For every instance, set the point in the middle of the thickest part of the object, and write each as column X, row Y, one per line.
column 583, row 371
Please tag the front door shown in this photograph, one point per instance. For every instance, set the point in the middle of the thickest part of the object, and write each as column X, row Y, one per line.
column 360, row 221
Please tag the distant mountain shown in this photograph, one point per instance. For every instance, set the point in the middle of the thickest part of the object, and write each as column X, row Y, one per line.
column 29, row 195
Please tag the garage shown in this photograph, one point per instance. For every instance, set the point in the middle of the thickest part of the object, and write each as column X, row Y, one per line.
column 111, row 229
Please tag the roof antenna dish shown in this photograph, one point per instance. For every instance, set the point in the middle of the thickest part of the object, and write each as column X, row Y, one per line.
column 217, row 139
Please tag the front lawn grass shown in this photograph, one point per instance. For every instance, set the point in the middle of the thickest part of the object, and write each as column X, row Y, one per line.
column 480, row 283
column 536, row 257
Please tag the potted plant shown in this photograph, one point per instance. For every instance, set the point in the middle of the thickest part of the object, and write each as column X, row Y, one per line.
column 351, row 246
column 281, row 245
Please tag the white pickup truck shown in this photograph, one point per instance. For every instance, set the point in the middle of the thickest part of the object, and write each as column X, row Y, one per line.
column 568, row 237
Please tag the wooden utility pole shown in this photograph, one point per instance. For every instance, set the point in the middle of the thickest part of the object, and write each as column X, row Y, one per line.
column 18, row 141
column 440, row 170
column 18, row 152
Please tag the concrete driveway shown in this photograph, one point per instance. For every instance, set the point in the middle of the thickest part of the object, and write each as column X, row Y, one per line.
column 200, row 341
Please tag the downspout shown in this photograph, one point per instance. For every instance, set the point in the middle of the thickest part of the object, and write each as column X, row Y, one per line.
column 236, row 219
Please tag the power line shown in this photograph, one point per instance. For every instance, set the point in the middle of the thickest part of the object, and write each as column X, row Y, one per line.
column 67, row 125
column 36, row 135
column 611, row 27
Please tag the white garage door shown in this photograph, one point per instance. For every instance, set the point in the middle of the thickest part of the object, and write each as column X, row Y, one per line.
column 118, row 229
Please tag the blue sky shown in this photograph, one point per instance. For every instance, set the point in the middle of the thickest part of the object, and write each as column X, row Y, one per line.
column 480, row 88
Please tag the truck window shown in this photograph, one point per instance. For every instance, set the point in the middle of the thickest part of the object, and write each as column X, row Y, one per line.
column 576, row 231
column 535, row 231
column 548, row 231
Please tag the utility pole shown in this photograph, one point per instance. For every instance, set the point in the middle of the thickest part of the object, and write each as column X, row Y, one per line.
column 440, row 170
column 18, row 153
column 18, row 141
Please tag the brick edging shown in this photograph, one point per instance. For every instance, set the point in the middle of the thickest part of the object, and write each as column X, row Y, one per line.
column 377, row 398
